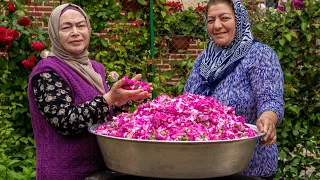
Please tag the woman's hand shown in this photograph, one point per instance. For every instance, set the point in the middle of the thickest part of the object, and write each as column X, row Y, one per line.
column 120, row 96
column 137, row 78
column 267, row 124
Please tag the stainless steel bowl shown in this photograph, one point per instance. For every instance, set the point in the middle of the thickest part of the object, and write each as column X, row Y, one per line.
column 176, row 159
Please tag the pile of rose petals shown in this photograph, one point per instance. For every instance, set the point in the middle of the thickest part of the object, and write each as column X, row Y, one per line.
column 187, row 117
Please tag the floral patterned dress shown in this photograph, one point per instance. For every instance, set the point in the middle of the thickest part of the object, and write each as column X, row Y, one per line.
column 54, row 99
column 255, row 86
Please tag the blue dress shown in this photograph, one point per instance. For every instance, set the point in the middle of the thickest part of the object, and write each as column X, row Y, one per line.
column 255, row 86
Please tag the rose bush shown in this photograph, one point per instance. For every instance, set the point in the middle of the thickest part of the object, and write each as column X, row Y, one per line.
column 21, row 41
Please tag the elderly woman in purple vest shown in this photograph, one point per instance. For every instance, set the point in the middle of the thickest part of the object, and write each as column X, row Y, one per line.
column 243, row 73
column 67, row 93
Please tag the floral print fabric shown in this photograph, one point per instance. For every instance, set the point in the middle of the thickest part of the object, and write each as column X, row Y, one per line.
column 54, row 99
column 255, row 86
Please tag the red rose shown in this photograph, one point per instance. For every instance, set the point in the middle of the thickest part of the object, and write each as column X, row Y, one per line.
column 29, row 64
column 33, row 59
column 6, row 40
column 201, row 8
column 38, row 46
column 24, row 21
column 11, row 7
column 3, row 31
column 13, row 33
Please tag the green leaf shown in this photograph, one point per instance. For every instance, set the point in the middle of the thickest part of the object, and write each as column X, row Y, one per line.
column 298, row 12
column 2, row 167
column 282, row 41
column 284, row 134
column 303, row 130
column 163, row 13
column 104, row 42
column 25, row 32
column 280, row 54
column 304, row 25
column 13, row 162
column 130, row 15
column 288, row 37
column 288, row 8
column 295, row 162
column 143, row 2
column 283, row 154
column 309, row 37
column 15, row 175
column 294, row 34
column 260, row 27
column 309, row 145
column 295, row 132
column 20, row 13
column 24, row 140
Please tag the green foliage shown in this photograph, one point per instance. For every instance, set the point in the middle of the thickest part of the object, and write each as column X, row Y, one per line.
column 100, row 13
column 121, row 41
column 185, row 22
column 17, row 148
column 124, row 47
column 292, row 34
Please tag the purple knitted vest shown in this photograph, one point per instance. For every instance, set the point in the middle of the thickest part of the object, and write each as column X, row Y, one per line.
column 61, row 157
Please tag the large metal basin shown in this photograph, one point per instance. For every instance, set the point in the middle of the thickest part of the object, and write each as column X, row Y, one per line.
column 177, row 160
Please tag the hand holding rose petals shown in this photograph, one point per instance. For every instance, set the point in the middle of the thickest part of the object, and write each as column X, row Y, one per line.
column 133, row 85
column 122, row 91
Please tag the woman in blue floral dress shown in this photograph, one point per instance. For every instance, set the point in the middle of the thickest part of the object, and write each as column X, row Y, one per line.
column 244, row 73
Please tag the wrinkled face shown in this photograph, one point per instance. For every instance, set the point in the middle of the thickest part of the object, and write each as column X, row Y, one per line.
column 221, row 24
column 73, row 32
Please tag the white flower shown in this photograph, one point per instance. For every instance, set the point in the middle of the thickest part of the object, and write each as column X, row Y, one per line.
column 55, row 120
column 262, row 6
column 62, row 112
column 58, row 84
column 44, row 54
column 113, row 76
column 50, row 87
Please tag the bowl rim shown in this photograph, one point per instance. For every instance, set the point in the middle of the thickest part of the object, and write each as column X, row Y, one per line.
column 92, row 128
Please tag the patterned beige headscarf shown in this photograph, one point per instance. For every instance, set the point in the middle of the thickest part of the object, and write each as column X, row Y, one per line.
column 79, row 62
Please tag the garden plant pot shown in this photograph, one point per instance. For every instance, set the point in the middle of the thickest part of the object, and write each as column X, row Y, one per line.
column 179, row 42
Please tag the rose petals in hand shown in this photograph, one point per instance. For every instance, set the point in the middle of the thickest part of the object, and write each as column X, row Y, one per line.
column 133, row 85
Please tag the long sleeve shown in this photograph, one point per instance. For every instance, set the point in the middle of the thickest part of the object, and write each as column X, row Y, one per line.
column 267, row 81
column 194, row 80
column 54, row 99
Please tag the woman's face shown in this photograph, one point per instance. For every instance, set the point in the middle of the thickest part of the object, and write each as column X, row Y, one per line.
column 73, row 32
column 221, row 24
